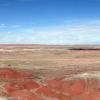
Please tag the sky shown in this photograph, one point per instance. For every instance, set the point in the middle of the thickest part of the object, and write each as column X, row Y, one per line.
column 50, row 22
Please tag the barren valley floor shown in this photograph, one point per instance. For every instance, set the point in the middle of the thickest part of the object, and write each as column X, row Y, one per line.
column 46, row 59
column 44, row 72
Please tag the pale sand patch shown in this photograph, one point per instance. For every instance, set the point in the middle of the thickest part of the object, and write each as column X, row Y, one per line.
column 3, row 98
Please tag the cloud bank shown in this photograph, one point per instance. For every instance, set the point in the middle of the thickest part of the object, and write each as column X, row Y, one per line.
column 82, row 33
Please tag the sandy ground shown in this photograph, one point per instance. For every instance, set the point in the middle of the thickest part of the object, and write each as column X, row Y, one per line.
column 46, row 62
column 49, row 60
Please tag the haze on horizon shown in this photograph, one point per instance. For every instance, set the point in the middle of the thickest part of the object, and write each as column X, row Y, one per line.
column 49, row 22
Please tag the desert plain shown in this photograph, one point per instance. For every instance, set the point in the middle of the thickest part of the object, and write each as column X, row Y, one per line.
column 53, row 65
column 50, row 59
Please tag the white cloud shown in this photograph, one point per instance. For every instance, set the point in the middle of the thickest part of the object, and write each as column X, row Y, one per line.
column 3, row 26
column 87, row 32
column 15, row 26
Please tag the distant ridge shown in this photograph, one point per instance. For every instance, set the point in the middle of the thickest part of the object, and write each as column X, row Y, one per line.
column 66, row 47
column 18, row 44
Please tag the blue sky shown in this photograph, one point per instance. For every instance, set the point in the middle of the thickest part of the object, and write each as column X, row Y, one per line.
column 50, row 21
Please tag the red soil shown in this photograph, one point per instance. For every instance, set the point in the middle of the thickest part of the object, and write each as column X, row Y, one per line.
column 9, row 74
column 56, row 89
